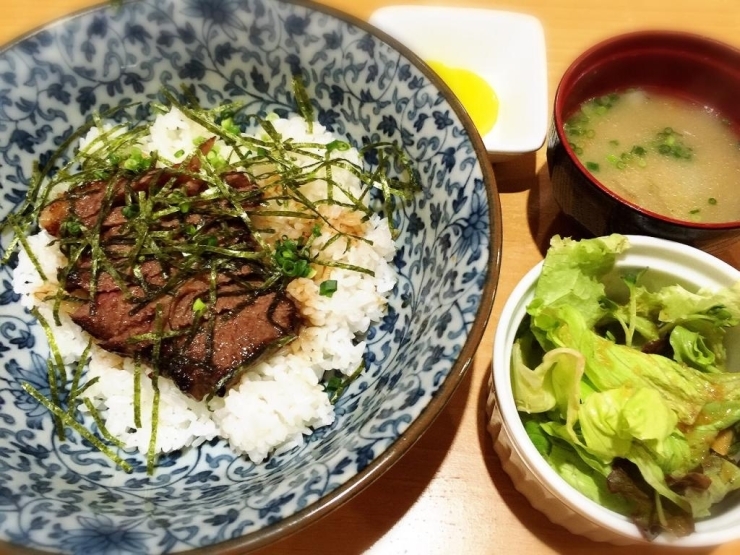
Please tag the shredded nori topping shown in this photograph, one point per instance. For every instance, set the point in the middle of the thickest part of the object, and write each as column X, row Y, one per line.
column 203, row 243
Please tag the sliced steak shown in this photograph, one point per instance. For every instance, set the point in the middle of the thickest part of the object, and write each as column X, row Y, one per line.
column 166, row 287
column 84, row 202
column 207, row 354
column 209, row 360
column 114, row 321
column 79, row 277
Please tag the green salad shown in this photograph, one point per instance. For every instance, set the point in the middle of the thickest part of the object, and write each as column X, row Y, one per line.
column 625, row 390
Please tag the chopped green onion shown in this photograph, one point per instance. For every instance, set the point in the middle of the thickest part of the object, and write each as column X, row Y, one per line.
column 71, row 226
column 669, row 143
column 292, row 258
column 328, row 288
column 337, row 145
column 130, row 211
column 592, row 166
column 230, row 126
column 137, row 162
column 215, row 159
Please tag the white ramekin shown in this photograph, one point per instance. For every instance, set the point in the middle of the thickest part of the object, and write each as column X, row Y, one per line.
column 667, row 262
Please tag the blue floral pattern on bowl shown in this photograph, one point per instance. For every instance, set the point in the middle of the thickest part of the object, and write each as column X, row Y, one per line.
column 66, row 496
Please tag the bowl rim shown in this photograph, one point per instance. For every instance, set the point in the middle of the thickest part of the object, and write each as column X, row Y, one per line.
column 571, row 74
column 380, row 464
column 546, row 476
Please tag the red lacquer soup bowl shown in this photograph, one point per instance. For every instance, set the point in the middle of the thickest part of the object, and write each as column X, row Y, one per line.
column 680, row 64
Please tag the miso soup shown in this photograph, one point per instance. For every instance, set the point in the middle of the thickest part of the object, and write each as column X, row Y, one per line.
column 662, row 153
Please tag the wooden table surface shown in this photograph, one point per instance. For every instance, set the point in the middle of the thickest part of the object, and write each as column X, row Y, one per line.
column 449, row 494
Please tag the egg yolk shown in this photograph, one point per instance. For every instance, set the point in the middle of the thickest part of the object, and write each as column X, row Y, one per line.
column 474, row 92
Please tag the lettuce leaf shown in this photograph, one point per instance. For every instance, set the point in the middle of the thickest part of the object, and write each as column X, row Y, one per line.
column 570, row 275
column 690, row 348
column 553, row 385
column 612, row 420
column 595, row 387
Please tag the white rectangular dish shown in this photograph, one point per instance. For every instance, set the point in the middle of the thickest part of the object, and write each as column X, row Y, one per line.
column 507, row 49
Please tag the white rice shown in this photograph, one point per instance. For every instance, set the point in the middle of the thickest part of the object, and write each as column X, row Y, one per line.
column 281, row 399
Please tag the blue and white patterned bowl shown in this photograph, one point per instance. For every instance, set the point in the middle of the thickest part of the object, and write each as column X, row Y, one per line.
column 65, row 496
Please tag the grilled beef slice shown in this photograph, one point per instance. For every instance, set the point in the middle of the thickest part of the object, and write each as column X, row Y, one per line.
column 202, row 351
column 212, row 357
column 208, row 353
